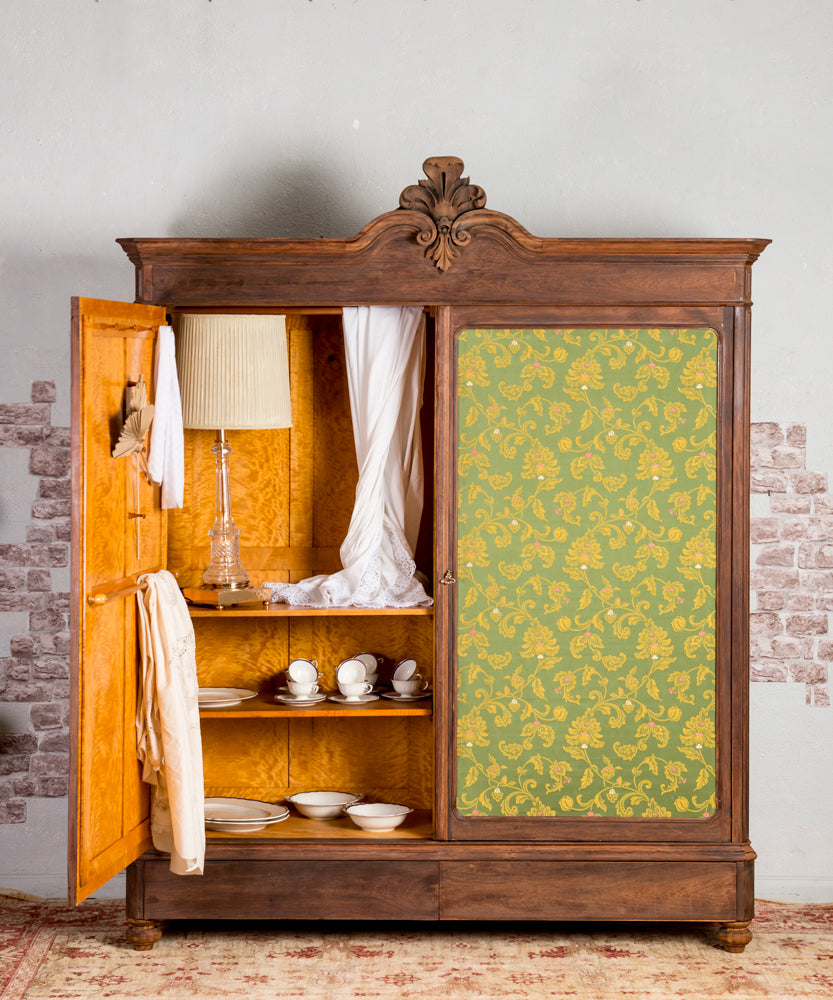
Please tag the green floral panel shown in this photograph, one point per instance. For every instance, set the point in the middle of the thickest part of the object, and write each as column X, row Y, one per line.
column 586, row 567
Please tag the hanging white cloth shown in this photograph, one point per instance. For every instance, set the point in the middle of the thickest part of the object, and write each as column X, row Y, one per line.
column 168, row 723
column 385, row 352
column 166, row 462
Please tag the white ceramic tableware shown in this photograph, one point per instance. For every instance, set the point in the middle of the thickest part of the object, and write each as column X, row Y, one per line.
column 404, row 669
column 371, row 662
column 303, row 670
column 353, row 690
column 232, row 815
column 372, row 678
column 362, row 699
column 300, row 701
column 322, row 804
column 350, row 671
column 411, row 685
column 301, row 688
column 219, row 697
column 378, row 817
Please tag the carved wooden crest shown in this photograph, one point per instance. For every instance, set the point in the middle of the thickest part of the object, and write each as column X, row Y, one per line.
column 445, row 198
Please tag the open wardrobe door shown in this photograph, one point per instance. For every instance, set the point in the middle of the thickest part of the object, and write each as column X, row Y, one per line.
column 118, row 532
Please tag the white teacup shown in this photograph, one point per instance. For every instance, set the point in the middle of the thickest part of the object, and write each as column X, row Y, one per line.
column 372, row 678
column 405, row 669
column 410, row 685
column 301, row 688
column 354, row 690
column 371, row 662
column 302, row 670
column 351, row 671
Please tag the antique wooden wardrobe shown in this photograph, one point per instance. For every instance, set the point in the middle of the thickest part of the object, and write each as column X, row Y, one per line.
column 585, row 428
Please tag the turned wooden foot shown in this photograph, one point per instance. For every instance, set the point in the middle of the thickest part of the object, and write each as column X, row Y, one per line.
column 143, row 934
column 734, row 935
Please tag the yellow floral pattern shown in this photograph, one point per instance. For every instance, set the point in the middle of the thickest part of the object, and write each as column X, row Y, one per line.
column 586, row 572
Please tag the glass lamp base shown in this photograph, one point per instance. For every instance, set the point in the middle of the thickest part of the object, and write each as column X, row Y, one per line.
column 224, row 569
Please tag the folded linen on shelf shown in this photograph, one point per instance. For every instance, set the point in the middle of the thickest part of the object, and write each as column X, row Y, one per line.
column 168, row 723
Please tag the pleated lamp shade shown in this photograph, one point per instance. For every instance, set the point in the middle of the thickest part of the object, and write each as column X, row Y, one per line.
column 233, row 371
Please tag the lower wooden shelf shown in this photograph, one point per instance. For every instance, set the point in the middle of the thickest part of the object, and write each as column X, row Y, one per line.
column 265, row 706
column 417, row 826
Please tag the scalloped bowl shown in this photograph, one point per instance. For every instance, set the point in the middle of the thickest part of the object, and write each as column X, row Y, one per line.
column 378, row 817
column 322, row 804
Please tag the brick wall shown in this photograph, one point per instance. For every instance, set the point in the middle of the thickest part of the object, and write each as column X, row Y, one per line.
column 791, row 534
column 792, row 590
column 35, row 676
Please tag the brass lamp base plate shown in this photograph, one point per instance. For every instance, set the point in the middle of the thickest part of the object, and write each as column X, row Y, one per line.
column 223, row 597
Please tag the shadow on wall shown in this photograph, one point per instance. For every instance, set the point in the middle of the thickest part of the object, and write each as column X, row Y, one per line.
column 300, row 200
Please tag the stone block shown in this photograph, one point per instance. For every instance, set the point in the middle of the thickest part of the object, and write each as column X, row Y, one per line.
column 15, row 811
column 43, row 392
column 796, row 435
column 793, row 529
column 26, row 691
column 49, row 764
column 47, row 461
column 20, row 436
column 823, row 504
column 791, row 504
column 49, row 510
column 58, row 437
column 764, row 529
column 54, row 743
column 771, row 600
column 806, row 624
column 765, row 623
column 25, row 788
column 808, row 482
column 825, row 650
column 48, row 716
column 24, row 413
column 776, row 555
column 807, row 672
column 768, row 671
column 63, row 533
column 772, row 578
column 808, row 555
column 14, row 764
column 821, row 695
column 58, row 554
column 47, row 621
column 53, row 787
column 825, row 557
column 766, row 434
column 12, row 743
column 769, row 481
column 22, row 602
column 17, row 670
column 55, row 489
column 39, row 579
column 24, row 645
column 46, row 667
column 39, row 533
column 13, row 579
column 786, row 648
column 801, row 602
column 817, row 580
column 24, row 555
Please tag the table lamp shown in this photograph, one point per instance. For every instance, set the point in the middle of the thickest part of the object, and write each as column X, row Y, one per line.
column 233, row 375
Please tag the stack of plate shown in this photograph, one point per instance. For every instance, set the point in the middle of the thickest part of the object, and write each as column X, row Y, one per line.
column 229, row 815
column 209, row 697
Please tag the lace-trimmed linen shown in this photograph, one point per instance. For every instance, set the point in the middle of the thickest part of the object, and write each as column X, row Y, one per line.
column 168, row 723
column 385, row 352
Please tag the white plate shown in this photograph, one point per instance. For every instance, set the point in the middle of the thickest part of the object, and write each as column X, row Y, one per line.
column 214, row 697
column 361, row 700
column 230, row 815
column 396, row 696
column 298, row 701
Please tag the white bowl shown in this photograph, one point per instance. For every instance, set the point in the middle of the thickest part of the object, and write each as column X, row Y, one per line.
column 322, row 804
column 377, row 816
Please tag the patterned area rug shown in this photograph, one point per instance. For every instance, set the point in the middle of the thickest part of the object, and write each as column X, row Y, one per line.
column 48, row 950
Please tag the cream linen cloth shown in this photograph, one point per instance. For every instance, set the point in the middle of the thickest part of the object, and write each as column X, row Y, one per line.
column 168, row 723
column 166, row 461
column 384, row 348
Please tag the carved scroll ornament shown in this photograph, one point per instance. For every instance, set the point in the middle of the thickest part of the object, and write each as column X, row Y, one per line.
column 445, row 198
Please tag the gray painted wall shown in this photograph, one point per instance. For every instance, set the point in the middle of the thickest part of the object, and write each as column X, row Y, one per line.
column 307, row 117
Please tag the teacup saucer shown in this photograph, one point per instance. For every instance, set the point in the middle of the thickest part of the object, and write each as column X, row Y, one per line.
column 299, row 700
column 396, row 696
column 361, row 700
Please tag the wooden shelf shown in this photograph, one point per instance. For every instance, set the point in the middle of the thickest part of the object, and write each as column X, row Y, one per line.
column 288, row 611
column 264, row 706
column 417, row 826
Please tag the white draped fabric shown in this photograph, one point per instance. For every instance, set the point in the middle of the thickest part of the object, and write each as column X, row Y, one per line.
column 385, row 352
column 168, row 723
column 166, row 462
